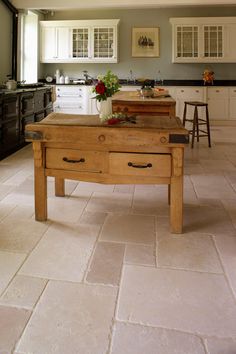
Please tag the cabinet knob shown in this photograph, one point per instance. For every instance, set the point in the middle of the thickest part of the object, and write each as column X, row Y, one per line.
column 217, row 90
column 163, row 140
column 101, row 138
column 182, row 90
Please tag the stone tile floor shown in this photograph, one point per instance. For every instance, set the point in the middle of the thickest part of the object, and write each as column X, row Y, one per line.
column 104, row 275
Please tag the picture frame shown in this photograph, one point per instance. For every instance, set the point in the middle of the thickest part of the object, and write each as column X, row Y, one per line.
column 145, row 42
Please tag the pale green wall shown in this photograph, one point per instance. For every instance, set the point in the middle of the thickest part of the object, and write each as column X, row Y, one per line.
column 145, row 67
column 5, row 42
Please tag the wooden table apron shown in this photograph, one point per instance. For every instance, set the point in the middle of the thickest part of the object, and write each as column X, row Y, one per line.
column 131, row 103
column 146, row 153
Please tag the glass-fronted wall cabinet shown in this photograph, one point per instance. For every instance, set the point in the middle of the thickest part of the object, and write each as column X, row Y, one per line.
column 203, row 39
column 104, row 40
column 80, row 42
column 187, row 41
column 83, row 41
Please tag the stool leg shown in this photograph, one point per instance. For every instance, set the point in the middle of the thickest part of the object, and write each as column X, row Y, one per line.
column 208, row 127
column 185, row 112
column 195, row 121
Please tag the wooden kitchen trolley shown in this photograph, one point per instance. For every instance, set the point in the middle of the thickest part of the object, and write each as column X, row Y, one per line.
column 130, row 102
column 149, row 150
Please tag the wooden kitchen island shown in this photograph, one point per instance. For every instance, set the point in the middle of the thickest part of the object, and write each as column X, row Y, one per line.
column 149, row 150
column 131, row 103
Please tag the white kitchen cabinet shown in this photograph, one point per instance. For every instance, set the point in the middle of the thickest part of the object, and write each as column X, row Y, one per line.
column 55, row 44
column 203, row 39
column 232, row 103
column 79, row 41
column 72, row 99
column 193, row 93
column 218, row 103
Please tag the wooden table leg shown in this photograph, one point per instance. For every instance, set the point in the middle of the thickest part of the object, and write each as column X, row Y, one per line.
column 59, row 187
column 176, row 191
column 40, row 183
column 176, row 205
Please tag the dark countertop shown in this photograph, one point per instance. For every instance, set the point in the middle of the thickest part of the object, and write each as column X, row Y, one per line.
column 182, row 83
column 19, row 90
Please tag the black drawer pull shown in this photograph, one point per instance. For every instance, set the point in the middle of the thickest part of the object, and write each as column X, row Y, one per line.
column 139, row 166
column 73, row 161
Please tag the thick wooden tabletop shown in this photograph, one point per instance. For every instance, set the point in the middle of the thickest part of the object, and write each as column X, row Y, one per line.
column 134, row 97
column 138, row 122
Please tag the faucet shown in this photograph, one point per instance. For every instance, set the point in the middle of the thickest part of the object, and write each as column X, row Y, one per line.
column 87, row 76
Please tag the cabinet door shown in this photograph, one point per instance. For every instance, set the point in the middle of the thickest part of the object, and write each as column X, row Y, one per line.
column 232, row 103
column 186, row 42
column 81, row 43
column 48, row 44
column 188, row 94
column 104, row 44
column 213, row 41
column 218, row 103
column 10, row 107
column 55, row 44
column 63, row 43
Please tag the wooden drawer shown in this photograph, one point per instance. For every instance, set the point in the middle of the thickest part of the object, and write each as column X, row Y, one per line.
column 76, row 160
column 140, row 164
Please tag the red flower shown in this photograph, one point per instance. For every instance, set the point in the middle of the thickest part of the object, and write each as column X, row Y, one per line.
column 100, row 88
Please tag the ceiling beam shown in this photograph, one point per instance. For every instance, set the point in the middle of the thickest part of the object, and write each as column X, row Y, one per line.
column 99, row 4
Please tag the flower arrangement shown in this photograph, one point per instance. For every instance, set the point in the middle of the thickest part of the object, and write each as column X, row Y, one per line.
column 106, row 86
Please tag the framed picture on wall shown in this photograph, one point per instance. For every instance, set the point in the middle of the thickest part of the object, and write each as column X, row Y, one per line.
column 146, row 42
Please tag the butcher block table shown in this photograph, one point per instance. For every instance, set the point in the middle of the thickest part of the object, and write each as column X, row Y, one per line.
column 130, row 102
column 147, row 150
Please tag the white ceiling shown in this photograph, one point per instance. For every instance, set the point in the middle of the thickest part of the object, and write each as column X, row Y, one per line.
column 110, row 4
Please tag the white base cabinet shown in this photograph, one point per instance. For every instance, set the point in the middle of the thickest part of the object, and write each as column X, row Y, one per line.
column 72, row 99
column 218, row 103
column 75, row 99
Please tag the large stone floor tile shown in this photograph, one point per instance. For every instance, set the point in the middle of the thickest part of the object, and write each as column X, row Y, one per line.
column 129, row 228
column 9, row 265
column 70, row 318
column 4, row 191
column 151, row 200
column 220, row 346
column 140, row 254
column 64, row 209
column 190, row 252
column 92, row 218
column 94, row 187
column 23, row 292
column 193, row 302
column 213, row 186
column 223, row 165
column 12, row 324
column 21, row 235
column 5, row 209
column 63, row 253
column 230, row 207
column 106, row 263
column 227, row 251
column 135, row 339
column 204, row 219
column 110, row 202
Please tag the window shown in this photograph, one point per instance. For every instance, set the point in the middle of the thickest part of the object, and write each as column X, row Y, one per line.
column 29, row 48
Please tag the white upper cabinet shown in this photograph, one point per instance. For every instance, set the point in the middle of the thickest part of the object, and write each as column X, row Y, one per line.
column 94, row 41
column 203, row 39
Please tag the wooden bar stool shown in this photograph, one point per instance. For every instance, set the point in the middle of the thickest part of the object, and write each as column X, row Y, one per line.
column 196, row 130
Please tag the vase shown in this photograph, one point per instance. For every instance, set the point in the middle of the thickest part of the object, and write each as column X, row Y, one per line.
column 105, row 108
